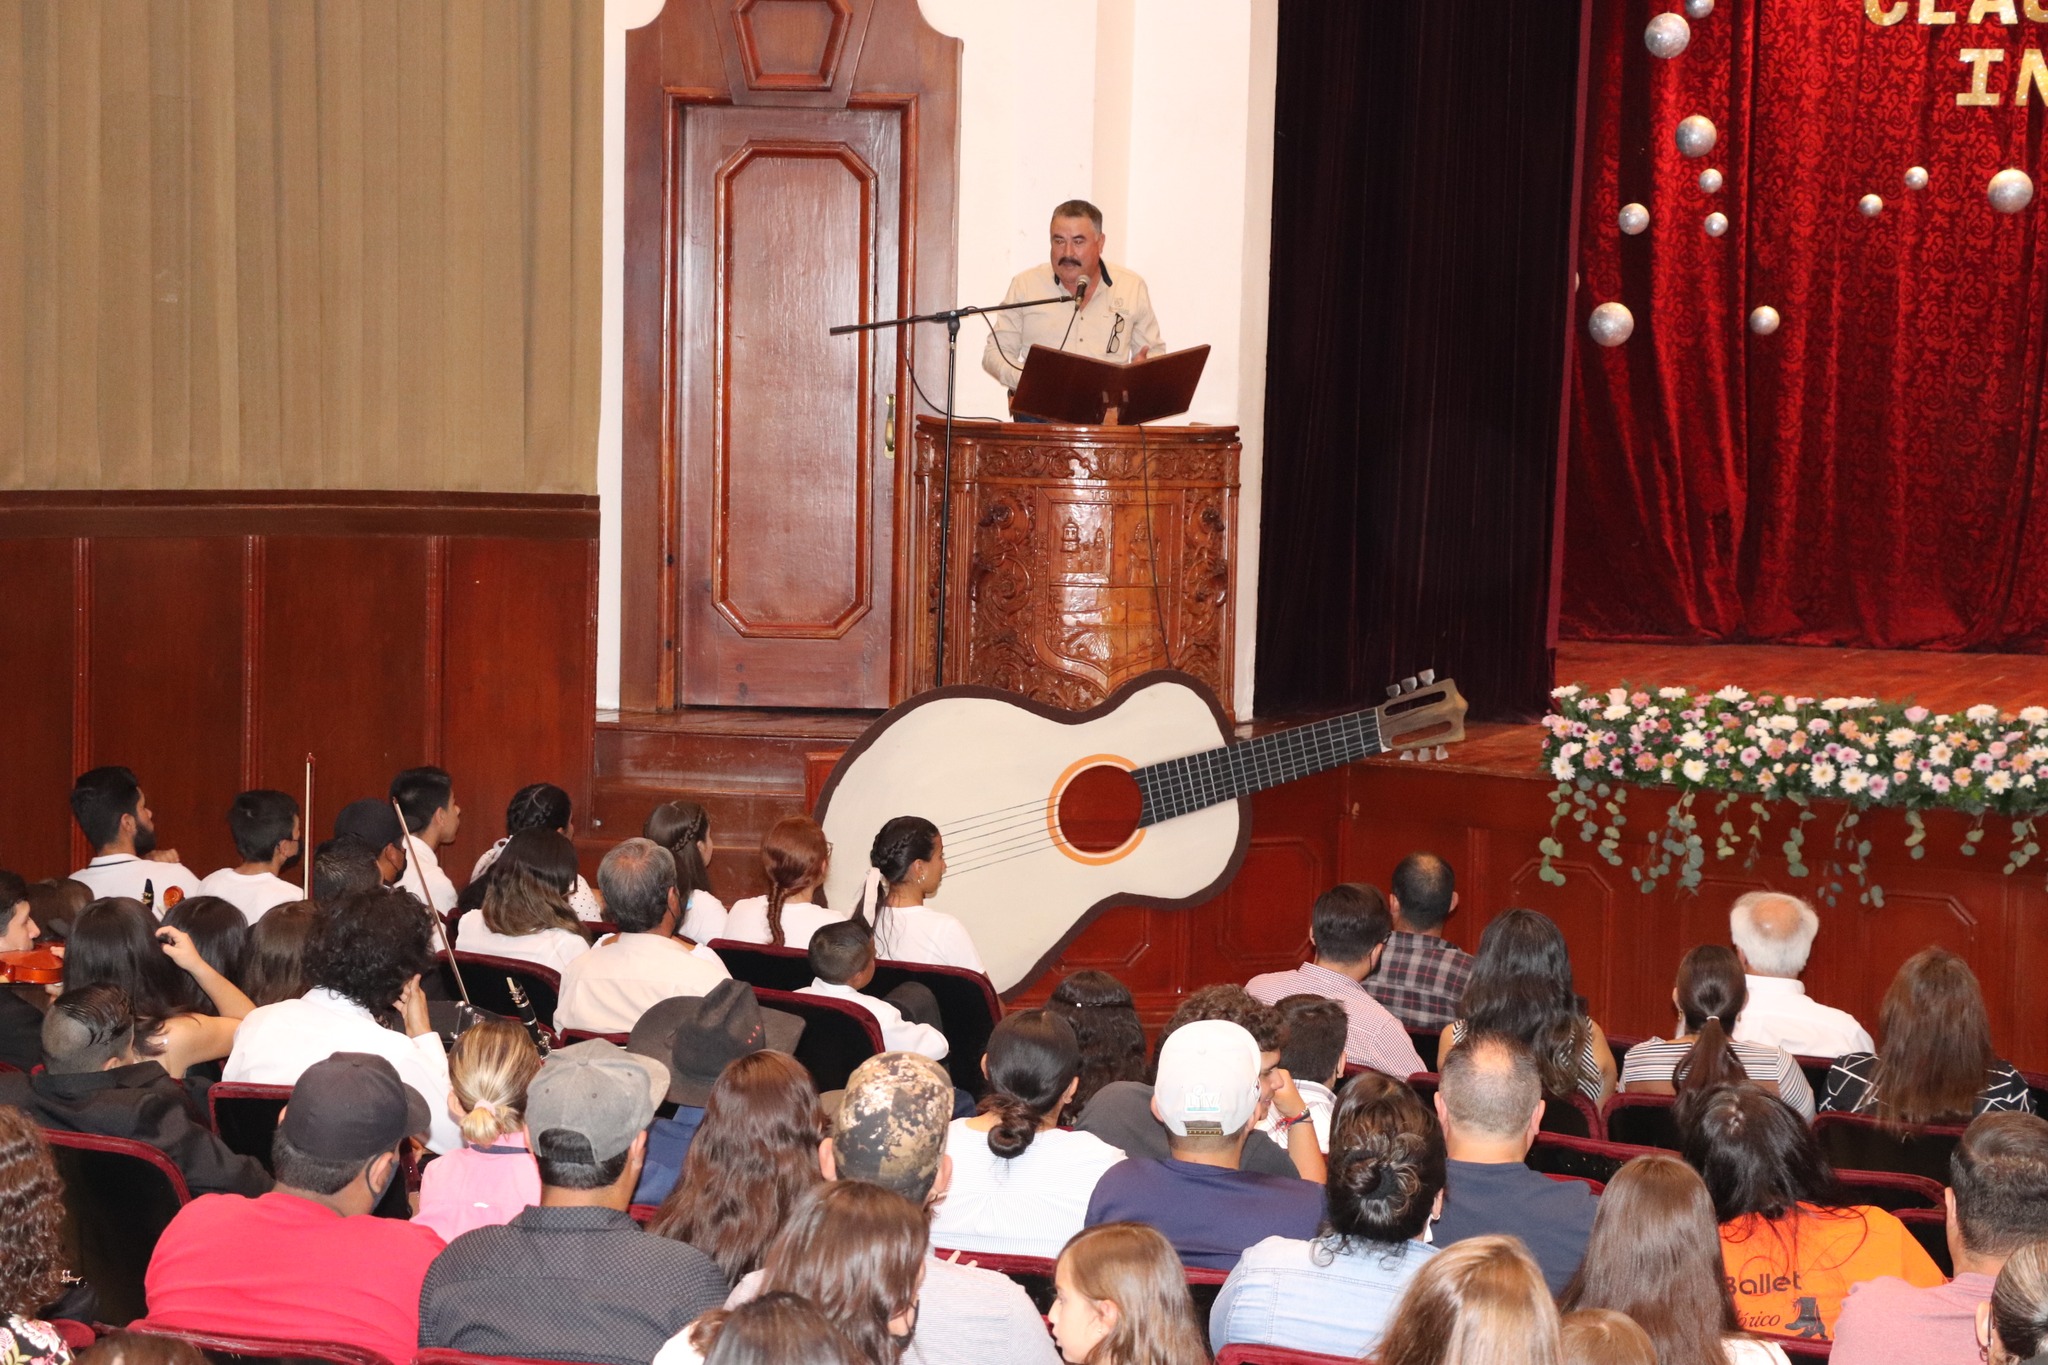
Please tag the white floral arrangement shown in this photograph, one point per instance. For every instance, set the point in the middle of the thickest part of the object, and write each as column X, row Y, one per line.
column 1738, row 749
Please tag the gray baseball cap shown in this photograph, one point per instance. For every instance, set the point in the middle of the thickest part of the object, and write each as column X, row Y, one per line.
column 599, row 1091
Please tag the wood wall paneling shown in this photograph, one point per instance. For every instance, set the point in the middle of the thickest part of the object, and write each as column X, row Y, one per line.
column 38, row 622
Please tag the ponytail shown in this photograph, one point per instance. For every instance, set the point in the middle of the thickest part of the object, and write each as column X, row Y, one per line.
column 679, row 826
column 1016, row 1124
column 899, row 844
column 1033, row 1056
column 776, row 895
column 1711, row 1061
column 793, row 854
column 489, row 1069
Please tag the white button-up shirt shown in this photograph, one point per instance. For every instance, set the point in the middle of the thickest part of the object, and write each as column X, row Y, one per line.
column 276, row 1044
column 122, row 874
column 607, row 989
column 898, row 1033
column 1781, row 1014
column 423, row 869
column 1115, row 322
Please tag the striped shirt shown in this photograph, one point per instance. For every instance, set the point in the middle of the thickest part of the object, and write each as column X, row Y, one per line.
column 1852, row 1087
column 1657, row 1059
column 1375, row 1038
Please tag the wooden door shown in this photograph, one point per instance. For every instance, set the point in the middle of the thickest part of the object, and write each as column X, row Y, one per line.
column 790, row 224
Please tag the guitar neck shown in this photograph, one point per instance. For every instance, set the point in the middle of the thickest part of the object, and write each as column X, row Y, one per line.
column 1181, row 785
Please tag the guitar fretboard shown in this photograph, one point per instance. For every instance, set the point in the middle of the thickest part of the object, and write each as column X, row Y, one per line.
column 1181, row 785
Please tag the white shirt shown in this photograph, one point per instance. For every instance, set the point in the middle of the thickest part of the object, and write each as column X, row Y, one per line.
column 254, row 895
column 276, row 1044
column 122, row 874
column 703, row 918
column 554, row 949
column 1781, row 1014
column 918, row 933
column 747, row 922
column 582, row 899
column 422, row 861
column 1114, row 324
column 1025, row 1205
column 1748, row 1352
column 898, row 1033
column 607, row 989
column 1321, row 1104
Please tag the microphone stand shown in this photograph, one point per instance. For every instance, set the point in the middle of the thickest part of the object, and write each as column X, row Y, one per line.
column 951, row 317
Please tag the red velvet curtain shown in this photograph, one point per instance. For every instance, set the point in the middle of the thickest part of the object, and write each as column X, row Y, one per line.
column 1872, row 473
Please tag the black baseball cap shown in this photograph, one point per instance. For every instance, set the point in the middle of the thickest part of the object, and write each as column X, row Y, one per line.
column 351, row 1107
column 696, row 1035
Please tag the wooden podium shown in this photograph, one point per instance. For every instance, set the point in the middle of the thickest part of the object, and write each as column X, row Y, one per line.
column 1081, row 556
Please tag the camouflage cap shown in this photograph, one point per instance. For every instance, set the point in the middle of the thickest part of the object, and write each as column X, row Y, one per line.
column 891, row 1126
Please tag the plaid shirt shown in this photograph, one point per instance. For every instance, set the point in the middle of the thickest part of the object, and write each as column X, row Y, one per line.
column 1375, row 1038
column 1421, row 980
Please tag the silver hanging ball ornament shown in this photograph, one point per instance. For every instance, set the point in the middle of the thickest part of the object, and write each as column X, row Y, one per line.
column 1667, row 36
column 1698, row 9
column 1710, row 180
column 1764, row 320
column 1634, row 218
column 1696, row 135
column 1611, row 324
column 1916, row 177
column 2011, row 190
column 1716, row 224
column 1870, row 206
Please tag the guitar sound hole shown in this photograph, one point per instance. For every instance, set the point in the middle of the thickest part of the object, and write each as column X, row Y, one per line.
column 1099, row 810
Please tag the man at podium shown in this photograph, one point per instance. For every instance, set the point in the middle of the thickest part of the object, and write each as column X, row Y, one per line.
column 1111, row 317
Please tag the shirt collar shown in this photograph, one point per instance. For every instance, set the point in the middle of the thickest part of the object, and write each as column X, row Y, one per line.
column 1774, row 985
column 335, row 1000
column 112, row 859
column 574, row 1217
column 1337, row 980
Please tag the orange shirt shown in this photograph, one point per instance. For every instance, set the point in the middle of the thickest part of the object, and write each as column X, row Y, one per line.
column 1789, row 1275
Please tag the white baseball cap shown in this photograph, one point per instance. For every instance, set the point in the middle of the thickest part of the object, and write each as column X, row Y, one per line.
column 1208, row 1083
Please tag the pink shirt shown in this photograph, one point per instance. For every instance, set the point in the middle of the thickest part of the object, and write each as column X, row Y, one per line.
column 281, row 1266
column 478, row 1187
column 1885, row 1320
column 1374, row 1038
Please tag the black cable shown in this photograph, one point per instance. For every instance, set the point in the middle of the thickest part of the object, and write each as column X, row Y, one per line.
column 1158, row 597
column 941, row 412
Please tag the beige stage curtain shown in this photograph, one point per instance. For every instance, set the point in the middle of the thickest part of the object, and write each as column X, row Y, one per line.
column 300, row 244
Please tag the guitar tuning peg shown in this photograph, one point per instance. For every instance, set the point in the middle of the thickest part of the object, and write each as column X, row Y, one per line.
column 1407, row 755
column 1442, row 752
column 1393, row 689
column 1409, row 684
column 1422, row 754
column 1428, row 676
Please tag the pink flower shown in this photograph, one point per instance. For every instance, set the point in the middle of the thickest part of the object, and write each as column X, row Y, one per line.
column 1938, row 782
column 1645, row 762
column 1998, row 748
column 1639, row 699
column 1982, row 763
column 1750, row 755
column 1878, row 787
column 1916, row 714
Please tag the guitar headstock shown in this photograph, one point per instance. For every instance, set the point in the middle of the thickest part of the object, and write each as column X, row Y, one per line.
column 1421, row 713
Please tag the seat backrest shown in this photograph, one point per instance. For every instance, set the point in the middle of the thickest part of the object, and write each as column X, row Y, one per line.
column 1859, row 1143
column 1034, row 1274
column 1619, row 1044
column 1816, row 1070
column 1425, row 1084
column 245, row 1117
column 1426, row 1042
column 759, row 964
column 436, row 1355
column 969, row 1010
column 2037, row 1089
column 1572, row 1115
column 584, row 1035
column 1798, row 1348
column 224, row 1348
column 1930, row 1229
column 119, row 1196
column 490, row 981
column 838, row 1035
column 1642, row 1120
column 1890, row 1190
column 1242, row 1353
column 1586, row 1158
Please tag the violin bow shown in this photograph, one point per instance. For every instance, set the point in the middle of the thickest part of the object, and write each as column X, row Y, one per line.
column 306, row 833
column 440, row 929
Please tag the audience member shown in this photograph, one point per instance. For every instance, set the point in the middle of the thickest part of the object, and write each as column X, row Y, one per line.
column 1315, row 1028
column 99, row 1076
column 219, row 933
column 1522, row 986
column 607, row 989
column 842, row 963
column 753, row 1158
column 426, row 797
column 308, row 1259
column 525, row 914
column 2013, row 1328
column 141, row 1348
column 698, row 1037
column 275, row 966
column 121, row 831
column 1348, row 930
column 492, row 1176
column 684, row 829
column 1774, row 935
column 1935, row 1064
column 1121, row 1299
column 1021, row 1183
column 1207, row 1093
column 574, row 1278
column 363, row 965
column 1710, row 996
column 1477, row 1303
column 796, row 859
column 21, row 1022
column 776, row 1329
column 1790, row 1243
column 32, row 1249
column 1336, row 1292
column 378, row 825
column 194, row 1010
column 1490, row 1102
column 57, row 903
column 1997, row 1202
column 1105, row 1022
column 265, row 827
column 854, row 1250
column 907, row 863
column 1601, row 1336
column 344, row 866
column 539, row 805
column 1655, row 1256
column 1121, row 1113
column 1422, row 979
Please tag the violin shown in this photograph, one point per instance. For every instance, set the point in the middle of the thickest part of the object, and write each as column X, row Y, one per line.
column 32, row 966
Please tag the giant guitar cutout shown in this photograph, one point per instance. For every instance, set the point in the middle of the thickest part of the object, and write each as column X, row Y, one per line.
column 1051, row 816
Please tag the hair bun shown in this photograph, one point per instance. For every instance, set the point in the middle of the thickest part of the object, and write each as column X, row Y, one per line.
column 1016, row 1125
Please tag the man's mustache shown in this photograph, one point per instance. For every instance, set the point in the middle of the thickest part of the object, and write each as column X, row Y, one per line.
column 1068, row 260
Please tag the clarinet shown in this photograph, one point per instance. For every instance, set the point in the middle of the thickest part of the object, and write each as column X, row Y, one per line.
column 527, row 1016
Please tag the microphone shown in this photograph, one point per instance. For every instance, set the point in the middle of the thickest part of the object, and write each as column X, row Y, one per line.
column 1081, row 289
